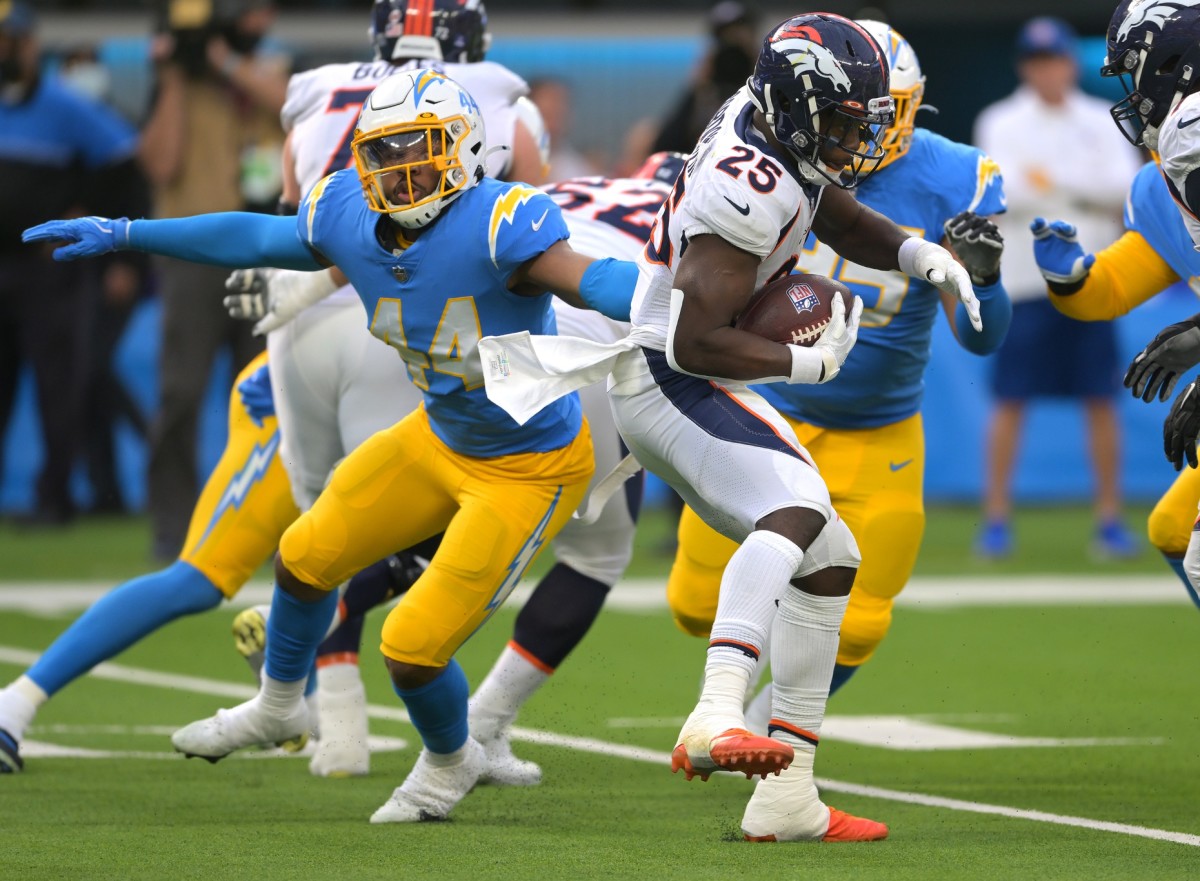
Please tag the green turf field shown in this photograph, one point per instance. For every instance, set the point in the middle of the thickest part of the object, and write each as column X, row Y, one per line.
column 1069, row 735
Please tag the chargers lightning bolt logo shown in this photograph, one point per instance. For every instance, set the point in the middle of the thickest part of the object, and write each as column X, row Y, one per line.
column 504, row 209
column 239, row 487
column 516, row 569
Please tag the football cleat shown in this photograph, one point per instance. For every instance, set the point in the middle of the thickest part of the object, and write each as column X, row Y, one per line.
column 505, row 769
column 430, row 792
column 247, row 724
column 250, row 636
column 842, row 827
column 342, row 749
column 735, row 749
column 10, row 754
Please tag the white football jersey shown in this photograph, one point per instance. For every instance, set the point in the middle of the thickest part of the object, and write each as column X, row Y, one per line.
column 607, row 218
column 737, row 187
column 323, row 104
column 1179, row 154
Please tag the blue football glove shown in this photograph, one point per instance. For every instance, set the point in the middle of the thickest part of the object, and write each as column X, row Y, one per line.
column 1058, row 253
column 91, row 236
column 255, row 392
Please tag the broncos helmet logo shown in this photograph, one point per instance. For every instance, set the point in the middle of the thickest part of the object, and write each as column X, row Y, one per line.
column 809, row 57
column 1150, row 12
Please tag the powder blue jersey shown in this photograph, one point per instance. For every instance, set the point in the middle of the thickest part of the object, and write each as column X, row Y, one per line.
column 882, row 381
column 1150, row 210
column 434, row 300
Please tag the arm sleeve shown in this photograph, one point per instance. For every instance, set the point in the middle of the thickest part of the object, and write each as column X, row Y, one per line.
column 232, row 238
column 995, row 309
column 1126, row 274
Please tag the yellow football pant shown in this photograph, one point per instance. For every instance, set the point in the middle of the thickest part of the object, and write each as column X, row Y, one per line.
column 875, row 479
column 1170, row 523
column 404, row 485
column 246, row 503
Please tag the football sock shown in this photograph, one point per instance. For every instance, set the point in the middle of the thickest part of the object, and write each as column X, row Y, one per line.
column 19, row 704
column 120, row 618
column 294, row 630
column 513, row 679
column 438, row 709
column 803, row 651
column 345, row 640
column 1176, row 564
column 757, row 575
column 558, row 614
column 841, row 675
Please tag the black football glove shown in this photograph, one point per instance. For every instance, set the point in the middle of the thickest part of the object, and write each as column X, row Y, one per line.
column 1157, row 367
column 1182, row 427
column 248, row 298
column 978, row 244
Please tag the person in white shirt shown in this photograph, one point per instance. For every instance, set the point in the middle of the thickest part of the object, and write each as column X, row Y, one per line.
column 1061, row 157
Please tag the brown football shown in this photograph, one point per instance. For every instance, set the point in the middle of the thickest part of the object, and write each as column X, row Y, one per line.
column 793, row 309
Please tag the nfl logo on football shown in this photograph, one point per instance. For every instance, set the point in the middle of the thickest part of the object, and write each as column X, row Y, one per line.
column 803, row 298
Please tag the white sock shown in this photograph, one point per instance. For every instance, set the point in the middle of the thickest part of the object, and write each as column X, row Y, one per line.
column 447, row 760
column 19, row 704
column 757, row 575
column 513, row 679
column 803, row 650
column 280, row 698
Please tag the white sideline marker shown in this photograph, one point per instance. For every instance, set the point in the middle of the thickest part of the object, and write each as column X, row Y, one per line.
column 135, row 675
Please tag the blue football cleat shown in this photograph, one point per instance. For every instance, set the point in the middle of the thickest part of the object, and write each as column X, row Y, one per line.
column 10, row 754
column 995, row 541
column 1113, row 541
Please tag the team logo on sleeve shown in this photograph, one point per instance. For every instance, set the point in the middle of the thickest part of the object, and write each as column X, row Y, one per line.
column 505, row 209
column 803, row 297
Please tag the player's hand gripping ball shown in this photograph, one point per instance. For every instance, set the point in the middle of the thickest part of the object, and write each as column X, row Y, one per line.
column 794, row 309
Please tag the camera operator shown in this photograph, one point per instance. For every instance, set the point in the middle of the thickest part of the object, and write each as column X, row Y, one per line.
column 211, row 143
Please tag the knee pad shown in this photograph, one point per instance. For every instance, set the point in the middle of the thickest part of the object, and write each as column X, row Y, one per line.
column 833, row 546
column 1170, row 526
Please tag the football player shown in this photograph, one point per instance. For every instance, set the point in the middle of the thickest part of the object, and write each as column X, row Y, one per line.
column 776, row 160
column 439, row 254
column 865, row 430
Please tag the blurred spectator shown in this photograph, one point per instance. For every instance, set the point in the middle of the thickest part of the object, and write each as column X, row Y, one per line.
column 211, row 143
column 553, row 99
column 1061, row 156
column 735, row 41
column 62, row 153
column 116, row 292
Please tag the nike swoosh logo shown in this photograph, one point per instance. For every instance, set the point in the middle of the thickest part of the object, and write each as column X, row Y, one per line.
column 896, row 466
column 1184, row 123
column 740, row 209
column 537, row 224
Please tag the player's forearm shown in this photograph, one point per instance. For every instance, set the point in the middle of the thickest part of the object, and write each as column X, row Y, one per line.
column 232, row 238
column 995, row 309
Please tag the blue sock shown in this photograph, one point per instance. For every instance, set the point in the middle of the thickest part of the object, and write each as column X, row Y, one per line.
column 120, row 618
column 438, row 709
column 294, row 630
column 841, row 675
column 1176, row 563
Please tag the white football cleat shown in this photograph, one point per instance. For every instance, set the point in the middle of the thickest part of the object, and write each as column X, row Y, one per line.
column 429, row 792
column 787, row 808
column 342, row 749
column 709, row 742
column 245, row 725
column 250, row 637
column 505, row 769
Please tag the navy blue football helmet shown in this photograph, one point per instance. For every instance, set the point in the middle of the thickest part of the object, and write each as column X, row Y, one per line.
column 664, row 166
column 1154, row 48
column 820, row 80
column 445, row 30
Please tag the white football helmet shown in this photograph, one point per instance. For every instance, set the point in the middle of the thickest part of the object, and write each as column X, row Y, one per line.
column 907, row 87
column 416, row 119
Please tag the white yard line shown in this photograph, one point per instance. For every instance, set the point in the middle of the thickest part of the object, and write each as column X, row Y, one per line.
column 649, row 594
column 135, row 675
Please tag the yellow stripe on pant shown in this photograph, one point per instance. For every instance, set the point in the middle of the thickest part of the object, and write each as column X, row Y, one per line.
column 875, row 479
column 404, row 485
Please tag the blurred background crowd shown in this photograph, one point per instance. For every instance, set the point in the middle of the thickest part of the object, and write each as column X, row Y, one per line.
column 114, row 376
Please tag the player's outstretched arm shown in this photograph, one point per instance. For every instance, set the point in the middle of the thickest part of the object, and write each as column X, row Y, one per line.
column 977, row 244
column 605, row 286
column 231, row 238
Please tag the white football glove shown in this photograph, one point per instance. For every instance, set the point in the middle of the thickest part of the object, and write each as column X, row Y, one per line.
column 273, row 297
column 936, row 265
column 822, row 361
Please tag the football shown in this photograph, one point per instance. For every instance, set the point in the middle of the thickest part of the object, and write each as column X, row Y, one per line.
column 794, row 309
